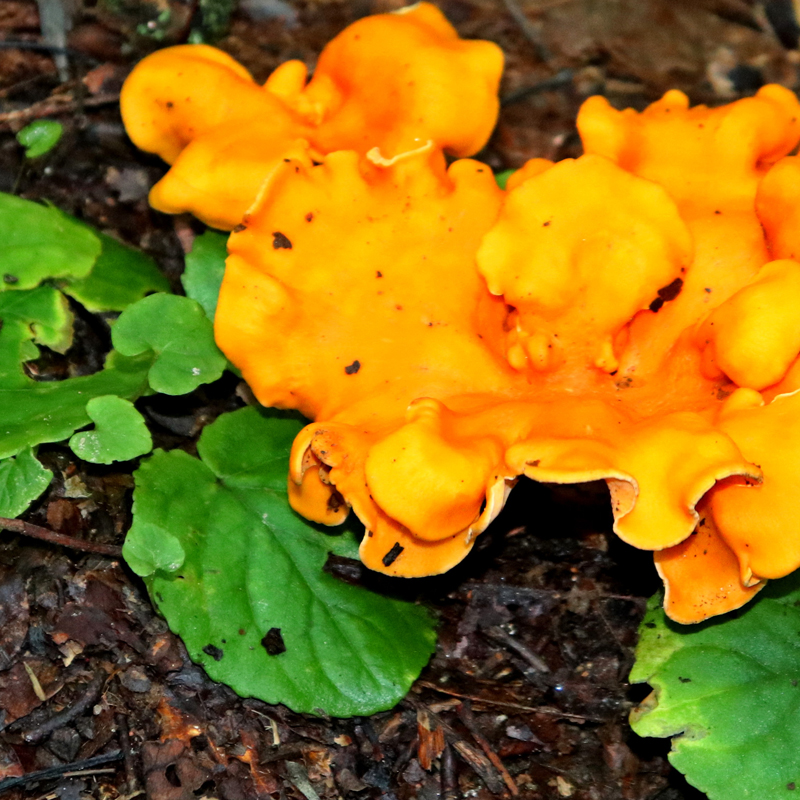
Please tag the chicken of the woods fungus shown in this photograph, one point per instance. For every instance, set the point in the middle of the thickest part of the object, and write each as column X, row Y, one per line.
column 632, row 315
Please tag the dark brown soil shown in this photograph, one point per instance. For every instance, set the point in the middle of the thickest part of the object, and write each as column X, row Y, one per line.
column 527, row 692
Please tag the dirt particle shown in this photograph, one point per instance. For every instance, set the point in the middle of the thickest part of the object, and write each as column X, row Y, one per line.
column 215, row 652
column 392, row 555
column 273, row 642
column 280, row 241
column 667, row 293
column 351, row 369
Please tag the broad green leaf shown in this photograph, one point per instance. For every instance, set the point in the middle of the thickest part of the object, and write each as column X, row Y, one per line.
column 502, row 177
column 49, row 411
column 729, row 691
column 35, row 316
column 180, row 334
column 22, row 480
column 252, row 580
column 120, row 432
column 40, row 137
column 38, row 242
column 205, row 266
column 120, row 277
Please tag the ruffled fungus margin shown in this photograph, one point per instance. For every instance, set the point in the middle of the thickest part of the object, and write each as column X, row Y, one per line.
column 391, row 81
column 629, row 316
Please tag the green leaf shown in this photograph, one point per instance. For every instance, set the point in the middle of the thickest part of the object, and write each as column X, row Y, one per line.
column 40, row 137
column 729, row 691
column 49, row 411
column 22, row 480
column 502, row 177
column 252, row 578
column 180, row 334
column 120, row 432
column 38, row 242
column 205, row 266
column 120, row 277
column 153, row 548
column 35, row 316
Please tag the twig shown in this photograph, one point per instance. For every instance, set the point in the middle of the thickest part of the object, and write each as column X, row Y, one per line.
column 60, row 770
column 83, row 772
column 528, row 31
column 449, row 776
column 561, row 78
column 465, row 715
column 482, row 766
column 123, row 730
column 50, row 49
column 87, row 699
column 46, row 535
column 60, row 104
column 555, row 712
column 501, row 636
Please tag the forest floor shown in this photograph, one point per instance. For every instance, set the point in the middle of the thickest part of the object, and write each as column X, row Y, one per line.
column 536, row 628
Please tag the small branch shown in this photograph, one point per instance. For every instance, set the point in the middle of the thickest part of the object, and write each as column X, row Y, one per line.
column 52, row 106
column 39, row 47
column 46, row 535
column 555, row 712
column 464, row 712
column 89, row 697
column 558, row 81
column 527, row 28
column 499, row 635
column 62, row 769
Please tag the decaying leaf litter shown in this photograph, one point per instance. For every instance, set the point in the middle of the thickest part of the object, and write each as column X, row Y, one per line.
column 526, row 693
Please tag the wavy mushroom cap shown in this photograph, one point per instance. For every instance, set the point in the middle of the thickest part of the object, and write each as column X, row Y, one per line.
column 390, row 81
column 627, row 316
column 621, row 333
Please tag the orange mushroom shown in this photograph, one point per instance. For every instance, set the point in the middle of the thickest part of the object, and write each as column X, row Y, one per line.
column 629, row 315
column 584, row 355
column 389, row 81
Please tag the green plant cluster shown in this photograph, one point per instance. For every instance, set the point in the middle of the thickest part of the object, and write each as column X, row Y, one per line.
column 237, row 574
column 728, row 690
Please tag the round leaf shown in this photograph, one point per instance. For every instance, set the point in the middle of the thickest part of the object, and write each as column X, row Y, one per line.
column 22, row 480
column 151, row 549
column 40, row 137
column 120, row 432
column 251, row 600
column 180, row 334
column 729, row 691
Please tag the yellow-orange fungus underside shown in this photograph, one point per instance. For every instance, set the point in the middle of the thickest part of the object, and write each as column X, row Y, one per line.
column 391, row 81
column 630, row 315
